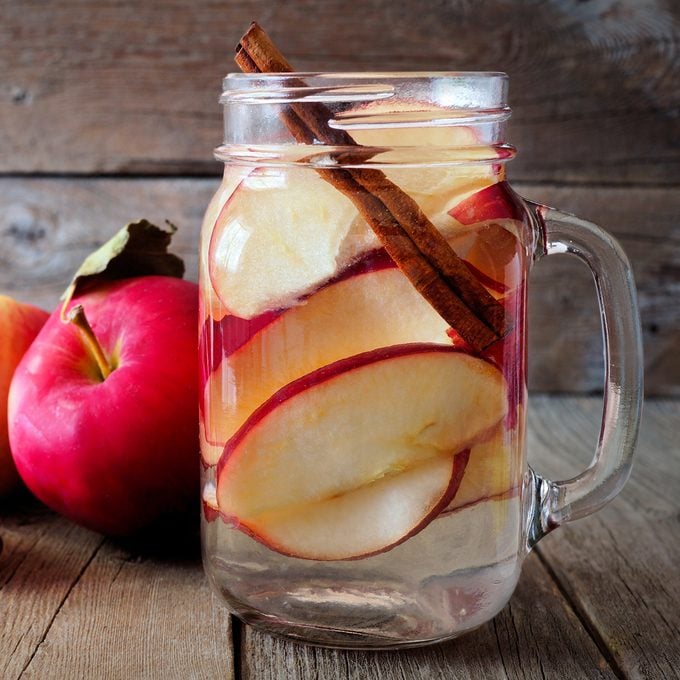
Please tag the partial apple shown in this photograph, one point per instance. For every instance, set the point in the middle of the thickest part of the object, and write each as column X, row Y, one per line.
column 352, row 459
column 372, row 306
column 19, row 324
column 110, row 441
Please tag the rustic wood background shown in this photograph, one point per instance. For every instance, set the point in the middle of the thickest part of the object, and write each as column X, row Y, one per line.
column 108, row 111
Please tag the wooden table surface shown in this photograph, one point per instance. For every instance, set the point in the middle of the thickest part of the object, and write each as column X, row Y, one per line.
column 599, row 598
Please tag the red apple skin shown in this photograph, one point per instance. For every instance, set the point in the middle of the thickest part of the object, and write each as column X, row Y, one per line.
column 219, row 339
column 509, row 354
column 117, row 454
column 209, row 513
column 458, row 464
column 495, row 202
column 19, row 324
column 337, row 368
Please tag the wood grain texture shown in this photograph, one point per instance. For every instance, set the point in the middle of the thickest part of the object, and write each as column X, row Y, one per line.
column 619, row 567
column 75, row 605
column 42, row 558
column 127, row 87
column 565, row 338
column 47, row 227
column 536, row 636
column 135, row 617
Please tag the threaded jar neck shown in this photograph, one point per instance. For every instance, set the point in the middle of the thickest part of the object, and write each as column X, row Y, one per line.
column 365, row 119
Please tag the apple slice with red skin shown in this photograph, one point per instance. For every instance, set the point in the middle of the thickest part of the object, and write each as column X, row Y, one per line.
column 276, row 238
column 376, row 517
column 491, row 473
column 210, row 303
column 367, row 309
column 491, row 249
column 495, row 202
column 431, row 187
column 355, row 457
column 222, row 337
column 508, row 354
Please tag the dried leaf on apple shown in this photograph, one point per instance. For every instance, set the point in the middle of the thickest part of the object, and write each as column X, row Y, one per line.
column 138, row 249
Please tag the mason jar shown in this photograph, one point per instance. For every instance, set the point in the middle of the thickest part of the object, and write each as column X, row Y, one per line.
column 364, row 273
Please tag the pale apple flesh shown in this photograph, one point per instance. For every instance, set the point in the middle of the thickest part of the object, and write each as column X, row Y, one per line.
column 280, row 264
column 342, row 413
column 383, row 424
column 353, row 315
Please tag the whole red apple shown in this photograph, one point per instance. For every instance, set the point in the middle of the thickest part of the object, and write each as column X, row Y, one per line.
column 112, row 452
column 19, row 324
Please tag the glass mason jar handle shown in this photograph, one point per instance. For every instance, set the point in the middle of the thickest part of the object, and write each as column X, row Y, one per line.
column 553, row 503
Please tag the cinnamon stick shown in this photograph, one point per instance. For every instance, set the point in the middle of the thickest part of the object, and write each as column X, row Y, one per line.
column 411, row 240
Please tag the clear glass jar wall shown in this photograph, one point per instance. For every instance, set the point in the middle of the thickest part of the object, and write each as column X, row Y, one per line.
column 363, row 455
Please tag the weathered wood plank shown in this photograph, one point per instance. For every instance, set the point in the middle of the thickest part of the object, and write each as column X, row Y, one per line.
column 47, row 226
column 134, row 616
column 620, row 567
column 536, row 636
column 129, row 87
column 41, row 561
column 565, row 338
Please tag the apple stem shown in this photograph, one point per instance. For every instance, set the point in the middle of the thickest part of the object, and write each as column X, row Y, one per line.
column 77, row 317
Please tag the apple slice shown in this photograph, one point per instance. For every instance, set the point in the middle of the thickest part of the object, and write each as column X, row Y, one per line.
column 209, row 502
column 495, row 202
column 369, row 309
column 374, row 516
column 350, row 439
column 492, row 247
column 491, row 473
column 431, row 187
column 493, row 253
column 276, row 238
column 210, row 305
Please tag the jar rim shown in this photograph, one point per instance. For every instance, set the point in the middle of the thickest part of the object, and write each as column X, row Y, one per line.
column 355, row 103
column 416, row 75
column 466, row 89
